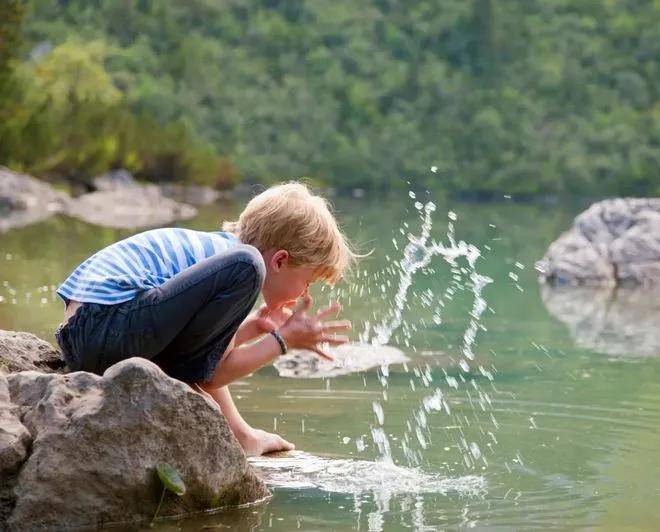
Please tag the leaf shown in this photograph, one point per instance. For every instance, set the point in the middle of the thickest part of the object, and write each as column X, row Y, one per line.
column 171, row 478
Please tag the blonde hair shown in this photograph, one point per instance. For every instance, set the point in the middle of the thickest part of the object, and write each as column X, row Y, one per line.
column 290, row 217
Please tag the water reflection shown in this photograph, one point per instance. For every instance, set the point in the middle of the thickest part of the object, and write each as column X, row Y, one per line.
column 620, row 322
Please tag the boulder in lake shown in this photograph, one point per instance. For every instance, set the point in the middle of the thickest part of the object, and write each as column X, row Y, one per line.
column 129, row 207
column 613, row 242
column 22, row 351
column 25, row 200
column 349, row 358
column 88, row 455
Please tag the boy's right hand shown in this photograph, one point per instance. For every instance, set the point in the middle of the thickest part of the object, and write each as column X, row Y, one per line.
column 305, row 331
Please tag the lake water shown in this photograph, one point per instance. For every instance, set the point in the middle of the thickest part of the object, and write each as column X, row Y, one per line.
column 553, row 422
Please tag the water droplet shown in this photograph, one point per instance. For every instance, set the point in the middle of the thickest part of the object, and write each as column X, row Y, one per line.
column 434, row 169
column 378, row 410
column 412, row 194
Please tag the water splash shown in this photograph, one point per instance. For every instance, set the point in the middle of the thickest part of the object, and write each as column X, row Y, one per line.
column 297, row 469
column 417, row 255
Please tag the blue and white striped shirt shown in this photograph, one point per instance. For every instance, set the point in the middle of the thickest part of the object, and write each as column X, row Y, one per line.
column 120, row 271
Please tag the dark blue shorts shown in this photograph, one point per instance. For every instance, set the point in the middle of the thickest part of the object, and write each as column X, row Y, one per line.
column 184, row 325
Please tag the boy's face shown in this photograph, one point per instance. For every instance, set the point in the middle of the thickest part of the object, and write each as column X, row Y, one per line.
column 284, row 283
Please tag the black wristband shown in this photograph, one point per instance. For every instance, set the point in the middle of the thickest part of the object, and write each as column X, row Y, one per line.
column 280, row 341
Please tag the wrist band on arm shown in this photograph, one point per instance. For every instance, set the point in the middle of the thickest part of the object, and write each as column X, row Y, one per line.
column 280, row 341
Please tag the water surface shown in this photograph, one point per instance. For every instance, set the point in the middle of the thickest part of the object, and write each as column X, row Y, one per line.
column 543, row 428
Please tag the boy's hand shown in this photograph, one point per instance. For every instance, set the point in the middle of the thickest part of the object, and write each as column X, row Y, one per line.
column 304, row 331
column 269, row 320
column 261, row 322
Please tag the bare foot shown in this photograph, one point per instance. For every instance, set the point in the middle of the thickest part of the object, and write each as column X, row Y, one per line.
column 258, row 442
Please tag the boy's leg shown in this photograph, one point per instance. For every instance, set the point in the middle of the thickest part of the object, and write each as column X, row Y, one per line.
column 187, row 323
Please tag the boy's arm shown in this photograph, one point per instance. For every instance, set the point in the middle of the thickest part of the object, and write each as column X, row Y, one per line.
column 222, row 396
column 254, row 441
column 240, row 361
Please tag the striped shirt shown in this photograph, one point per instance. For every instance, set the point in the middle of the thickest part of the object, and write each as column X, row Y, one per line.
column 120, row 271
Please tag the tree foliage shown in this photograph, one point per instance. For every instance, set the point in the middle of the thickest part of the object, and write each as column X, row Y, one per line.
column 524, row 97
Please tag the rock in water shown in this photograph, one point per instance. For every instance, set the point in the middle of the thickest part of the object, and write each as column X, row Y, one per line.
column 25, row 200
column 96, row 441
column 613, row 242
column 21, row 351
column 349, row 358
column 129, row 207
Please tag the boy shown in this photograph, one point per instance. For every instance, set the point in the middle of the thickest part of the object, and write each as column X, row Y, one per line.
column 181, row 298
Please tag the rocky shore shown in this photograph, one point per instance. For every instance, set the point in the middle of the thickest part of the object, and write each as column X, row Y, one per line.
column 118, row 201
column 81, row 450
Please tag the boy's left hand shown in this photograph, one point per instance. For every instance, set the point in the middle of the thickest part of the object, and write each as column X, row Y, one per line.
column 269, row 320
column 261, row 322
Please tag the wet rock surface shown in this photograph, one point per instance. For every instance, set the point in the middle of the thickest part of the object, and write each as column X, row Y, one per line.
column 22, row 351
column 92, row 445
column 350, row 358
column 613, row 242
column 619, row 322
column 25, row 200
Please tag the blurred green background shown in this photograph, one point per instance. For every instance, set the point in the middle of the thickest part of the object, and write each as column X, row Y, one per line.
column 524, row 97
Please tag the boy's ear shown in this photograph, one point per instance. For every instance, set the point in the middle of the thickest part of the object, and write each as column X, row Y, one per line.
column 280, row 257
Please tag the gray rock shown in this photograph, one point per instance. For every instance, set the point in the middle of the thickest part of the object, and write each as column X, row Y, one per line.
column 114, row 180
column 129, row 207
column 96, row 442
column 21, row 351
column 14, row 437
column 618, row 322
column 613, row 242
column 191, row 194
column 349, row 358
column 25, row 200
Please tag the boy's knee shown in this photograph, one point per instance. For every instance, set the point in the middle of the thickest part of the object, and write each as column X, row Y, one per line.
column 253, row 262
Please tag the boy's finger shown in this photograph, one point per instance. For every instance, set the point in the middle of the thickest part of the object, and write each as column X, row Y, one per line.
column 338, row 325
column 329, row 311
column 337, row 339
column 322, row 354
column 304, row 304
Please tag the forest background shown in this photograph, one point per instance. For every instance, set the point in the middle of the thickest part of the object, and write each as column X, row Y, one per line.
column 524, row 97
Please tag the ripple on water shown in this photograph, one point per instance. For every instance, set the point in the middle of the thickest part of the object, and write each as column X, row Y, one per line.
column 297, row 469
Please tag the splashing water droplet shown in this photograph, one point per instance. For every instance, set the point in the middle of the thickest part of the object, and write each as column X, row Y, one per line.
column 378, row 410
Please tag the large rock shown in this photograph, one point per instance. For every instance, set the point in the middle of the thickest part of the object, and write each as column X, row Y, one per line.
column 14, row 437
column 96, row 441
column 619, row 322
column 129, row 207
column 613, row 242
column 25, row 200
column 22, row 351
